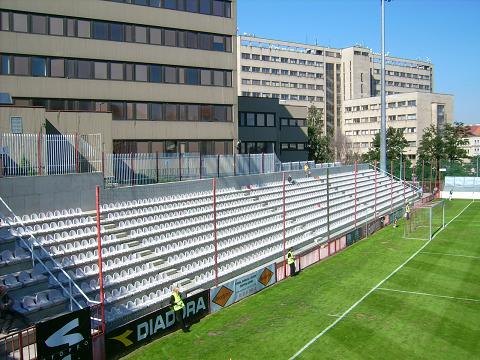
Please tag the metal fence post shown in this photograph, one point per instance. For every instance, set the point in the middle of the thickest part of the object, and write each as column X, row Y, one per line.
column 156, row 165
column 391, row 186
column 180, row 166
column 200, row 165
column 354, row 193
column 263, row 163
column 100, row 260
column 234, row 165
column 218, row 165
column 284, row 227
column 214, row 191
column 39, row 153
column 375, row 193
column 328, row 207
column 77, row 165
column 249, row 165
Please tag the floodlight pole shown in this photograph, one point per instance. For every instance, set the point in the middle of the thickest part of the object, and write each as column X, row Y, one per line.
column 383, row 120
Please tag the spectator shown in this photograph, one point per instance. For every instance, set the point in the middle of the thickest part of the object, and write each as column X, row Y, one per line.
column 7, row 314
column 450, row 194
column 407, row 211
column 306, row 169
column 290, row 180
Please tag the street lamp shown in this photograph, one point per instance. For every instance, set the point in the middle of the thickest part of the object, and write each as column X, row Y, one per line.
column 383, row 120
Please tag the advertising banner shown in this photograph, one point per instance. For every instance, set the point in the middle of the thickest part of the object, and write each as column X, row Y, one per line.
column 65, row 337
column 152, row 326
column 241, row 287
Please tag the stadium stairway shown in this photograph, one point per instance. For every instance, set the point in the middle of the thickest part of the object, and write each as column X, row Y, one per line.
column 151, row 245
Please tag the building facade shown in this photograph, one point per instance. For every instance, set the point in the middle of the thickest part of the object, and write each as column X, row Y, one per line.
column 266, row 126
column 473, row 146
column 165, row 70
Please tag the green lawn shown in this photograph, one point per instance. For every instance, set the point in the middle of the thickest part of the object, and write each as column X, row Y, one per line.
column 277, row 322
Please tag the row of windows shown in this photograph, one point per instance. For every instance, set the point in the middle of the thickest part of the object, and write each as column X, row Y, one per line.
column 408, row 130
column 292, row 97
column 407, row 85
column 257, row 119
column 122, row 110
column 113, row 31
column 257, row 147
column 375, row 118
column 204, row 147
column 208, row 7
column 256, row 69
column 297, row 49
column 293, row 146
column 103, row 70
column 282, row 84
column 403, row 74
column 293, row 122
column 247, row 56
column 390, row 105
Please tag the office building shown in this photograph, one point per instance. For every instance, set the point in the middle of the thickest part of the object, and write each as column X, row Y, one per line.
column 165, row 70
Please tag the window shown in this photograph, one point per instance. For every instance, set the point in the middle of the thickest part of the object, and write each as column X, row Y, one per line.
column 192, row 40
column 270, row 120
column 141, row 34
column 170, row 38
column 116, row 32
column 116, row 71
column 71, row 27
column 155, row 73
column 20, row 22
column 250, row 119
column 260, row 120
column 39, row 66
column 56, row 26
column 5, row 21
column 170, row 4
column 100, row 30
column 192, row 112
column 219, row 113
column 84, row 69
column 191, row 5
column 205, row 77
column 219, row 44
column 141, row 72
column 218, row 78
column 192, row 76
column 170, row 74
column 205, row 7
column 218, row 8
column 156, row 36
column 412, row 103
column 16, row 125
column 39, row 24
column 20, row 65
column 205, row 41
column 141, row 111
column 83, row 27
column 118, row 111
column 206, row 113
column 171, row 112
column 57, row 68
column 100, row 70
column 156, row 113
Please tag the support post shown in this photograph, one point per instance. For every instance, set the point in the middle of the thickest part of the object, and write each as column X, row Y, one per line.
column 249, row 170
column 180, row 166
column 218, row 165
column 391, row 186
column 156, row 166
column 214, row 191
column 284, row 228
column 404, row 194
column 77, row 165
column 328, row 205
column 263, row 163
column 200, row 165
column 132, row 170
column 100, row 260
column 354, row 193
column 423, row 175
column 103, row 166
column 39, row 153
column 375, row 193
column 234, row 164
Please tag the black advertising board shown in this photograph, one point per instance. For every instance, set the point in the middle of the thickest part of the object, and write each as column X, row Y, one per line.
column 65, row 337
column 134, row 334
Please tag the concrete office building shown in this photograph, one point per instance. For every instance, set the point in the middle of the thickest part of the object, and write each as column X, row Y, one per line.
column 266, row 126
column 164, row 69
column 412, row 112
column 473, row 146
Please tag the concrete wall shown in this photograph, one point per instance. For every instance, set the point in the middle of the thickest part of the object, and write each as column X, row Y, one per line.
column 33, row 194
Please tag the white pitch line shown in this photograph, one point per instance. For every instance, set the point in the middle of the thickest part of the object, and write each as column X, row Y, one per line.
column 427, row 294
column 447, row 254
column 371, row 290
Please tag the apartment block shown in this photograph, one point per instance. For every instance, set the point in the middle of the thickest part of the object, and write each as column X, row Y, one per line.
column 412, row 112
column 164, row 69
column 473, row 146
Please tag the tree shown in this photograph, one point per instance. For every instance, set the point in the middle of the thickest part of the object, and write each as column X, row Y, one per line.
column 319, row 145
column 454, row 137
column 396, row 144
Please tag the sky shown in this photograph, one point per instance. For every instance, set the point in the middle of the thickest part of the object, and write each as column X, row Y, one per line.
column 447, row 32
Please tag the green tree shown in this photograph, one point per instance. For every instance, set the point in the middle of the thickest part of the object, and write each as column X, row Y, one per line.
column 396, row 144
column 319, row 144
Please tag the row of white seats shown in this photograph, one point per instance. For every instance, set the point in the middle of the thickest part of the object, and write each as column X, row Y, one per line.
column 49, row 215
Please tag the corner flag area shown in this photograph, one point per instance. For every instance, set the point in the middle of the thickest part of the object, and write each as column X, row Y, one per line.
column 384, row 297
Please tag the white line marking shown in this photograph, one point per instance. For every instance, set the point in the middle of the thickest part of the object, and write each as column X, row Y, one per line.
column 447, row 254
column 372, row 290
column 427, row 294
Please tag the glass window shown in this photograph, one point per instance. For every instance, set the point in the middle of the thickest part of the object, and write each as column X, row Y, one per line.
column 20, row 22
column 206, row 112
column 170, row 146
column 56, row 26
column 100, row 70
column 205, row 77
column 155, row 3
column 100, row 30
column 170, row 4
column 6, row 69
column 141, row 111
column 228, row 43
column 192, row 40
column 218, row 78
column 218, row 43
column 141, row 72
column 192, row 76
column 85, row 105
column 218, row 8
column 83, row 27
column 101, row 106
column 128, row 33
column 170, row 74
column 301, row 146
column 39, row 66
column 181, row 38
column 155, row 73
column 71, row 65
column 56, row 105
column 205, row 41
column 228, row 78
column 228, row 9
column 171, row 112
column 182, row 112
column 219, row 113
column 141, row 2
column 250, row 119
column 284, row 122
column 270, row 120
column 130, row 111
column 5, row 20
column 170, row 38
column 71, row 27
column 156, row 36
column 220, row 147
column 140, row 34
column 156, row 112
column 39, row 24
column 116, row 71
column 260, row 119
column 191, row 5
column 84, row 69
column 116, row 32
column 192, row 113
column 118, row 110
column 129, row 72
column 20, row 65
column 229, row 113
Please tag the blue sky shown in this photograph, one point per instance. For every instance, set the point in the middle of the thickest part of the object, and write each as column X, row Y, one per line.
column 445, row 31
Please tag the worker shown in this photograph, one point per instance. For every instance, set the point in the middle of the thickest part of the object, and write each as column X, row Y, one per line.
column 306, row 169
column 178, row 305
column 407, row 211
column 291, row 262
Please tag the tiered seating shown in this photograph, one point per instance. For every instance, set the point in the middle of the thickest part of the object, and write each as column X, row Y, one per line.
column 150, row 245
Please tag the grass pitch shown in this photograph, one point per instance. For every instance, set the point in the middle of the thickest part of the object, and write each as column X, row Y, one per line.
column 428, row 309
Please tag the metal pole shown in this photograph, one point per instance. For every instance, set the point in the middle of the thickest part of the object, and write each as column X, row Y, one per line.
column 77, row 165
column 39, row 153
column 354, row 194
column 383, row 123
column 423, row 174
column 132, row 180
column 400, row 166
column 391, row 186
column 328, row 207
column 180, row 166
column 375, row 193
column 214, row 185
column 218, row 165
column 156, row 165
column 234, row 164
column 200, row 165
column 284, row 228
column 100, row 262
